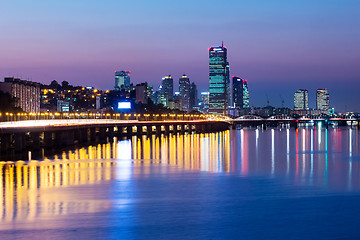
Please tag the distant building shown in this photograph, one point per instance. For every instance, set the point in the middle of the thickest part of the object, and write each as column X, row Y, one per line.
column 176, row 102
column 122, row 80
column 205, row 98
column 204, row 102
column 150, row 92
column 228, row 85
column 167, row 89
column 141, row 93
column 63, row 106
column 322, row 100
column 307, row 112
column 26, row 93
column 184, row 89
column 264, row 112
column 98, row 104
column 193, row 96
column 240, row 93
column 157, row 95
column 301, row 100
column 218, row 80
column 79, row 98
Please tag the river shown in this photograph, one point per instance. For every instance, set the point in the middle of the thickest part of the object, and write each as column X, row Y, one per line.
column 237, row 184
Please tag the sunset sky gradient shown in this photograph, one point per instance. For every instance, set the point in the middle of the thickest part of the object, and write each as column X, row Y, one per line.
column 279, row 46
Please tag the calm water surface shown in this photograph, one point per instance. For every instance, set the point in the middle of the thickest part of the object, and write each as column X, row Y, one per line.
column 238, row 184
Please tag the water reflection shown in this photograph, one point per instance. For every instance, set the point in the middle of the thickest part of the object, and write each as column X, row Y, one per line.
column 189, row 151
column 26, row 188
column 323, row 158
column 313, row 156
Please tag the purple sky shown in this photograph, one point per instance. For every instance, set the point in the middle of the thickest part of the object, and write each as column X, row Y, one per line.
column 279, row 46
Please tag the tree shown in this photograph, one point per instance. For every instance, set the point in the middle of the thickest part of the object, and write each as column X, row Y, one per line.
column 65, row 84
column 7, row 102
column 55, row 84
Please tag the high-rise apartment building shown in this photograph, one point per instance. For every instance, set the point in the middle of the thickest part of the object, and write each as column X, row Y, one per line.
column 122, row 80
column 218, row 80
column 184, row 89
column 26, row 93
column 240, row 93
column 322, row 100
column 167, row 89
column 301, row 99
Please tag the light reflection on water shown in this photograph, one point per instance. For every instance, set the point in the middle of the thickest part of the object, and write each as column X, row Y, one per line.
column 27, row 189
column 80, row 181
column 318, row 157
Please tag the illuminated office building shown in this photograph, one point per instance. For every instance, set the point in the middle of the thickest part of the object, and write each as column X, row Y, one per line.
column 204, row 102
column 150, row 92
column 301, row 100
column 322, row 100
column 167, row 89
column 122, row 80
column 205, row 98
column 184, row 89
column 193, row 96
column 240, row 93
column 228, row 85
column 218, row 80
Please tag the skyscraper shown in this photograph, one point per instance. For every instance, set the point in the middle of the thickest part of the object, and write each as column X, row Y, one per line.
column 301, row 100
column 184, row 89
column 240, row 93
column 122, row 80
column 322, row 100
column 193, row 96
column 167, row 89
column 205, row 101
column 218, row 80
column 150, row 92
column 228, row 85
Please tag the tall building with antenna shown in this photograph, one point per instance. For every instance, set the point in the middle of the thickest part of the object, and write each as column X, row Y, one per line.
column 218, row 80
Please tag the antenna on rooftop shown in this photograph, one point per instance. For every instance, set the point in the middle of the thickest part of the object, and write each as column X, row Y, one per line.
column 282, row 101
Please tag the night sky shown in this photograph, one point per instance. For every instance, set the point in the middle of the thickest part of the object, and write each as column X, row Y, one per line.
column 278, row 46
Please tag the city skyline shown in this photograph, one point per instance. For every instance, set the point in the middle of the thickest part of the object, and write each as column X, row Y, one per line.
column 278, row 47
